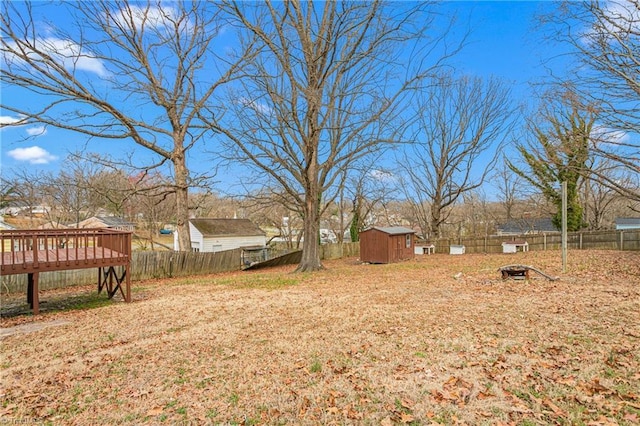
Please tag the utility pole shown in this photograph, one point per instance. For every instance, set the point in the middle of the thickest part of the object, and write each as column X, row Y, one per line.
column 564, row 227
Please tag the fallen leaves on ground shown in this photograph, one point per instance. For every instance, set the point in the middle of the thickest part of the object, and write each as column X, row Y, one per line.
column 438, row 340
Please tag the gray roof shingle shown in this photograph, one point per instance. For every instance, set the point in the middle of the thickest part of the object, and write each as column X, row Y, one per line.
column 113, row 221
column 522, row 226
column 210, row 227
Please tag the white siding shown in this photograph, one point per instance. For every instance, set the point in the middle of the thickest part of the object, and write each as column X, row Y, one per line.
column 214, row 244
column 456, row 249
column 196, row 237
column 626, row 227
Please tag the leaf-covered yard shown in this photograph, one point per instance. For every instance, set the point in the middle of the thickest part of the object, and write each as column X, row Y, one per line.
column 441, row 339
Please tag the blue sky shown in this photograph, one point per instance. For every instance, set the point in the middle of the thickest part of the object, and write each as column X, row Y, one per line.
column 503, row 43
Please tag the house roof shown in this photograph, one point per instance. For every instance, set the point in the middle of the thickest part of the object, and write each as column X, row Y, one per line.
column 628, row 221
column 226, row 227
column 108, row 221
column 393, row 230
column 521, row 226
column 6, row 226
column 112, row 221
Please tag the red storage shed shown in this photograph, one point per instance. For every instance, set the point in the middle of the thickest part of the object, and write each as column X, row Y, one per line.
column 386, row 244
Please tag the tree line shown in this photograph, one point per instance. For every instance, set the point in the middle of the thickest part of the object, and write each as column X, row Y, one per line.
column 84, row 189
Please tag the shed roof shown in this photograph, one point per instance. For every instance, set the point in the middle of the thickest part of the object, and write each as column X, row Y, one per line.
column 211, row 227
column 393, row 230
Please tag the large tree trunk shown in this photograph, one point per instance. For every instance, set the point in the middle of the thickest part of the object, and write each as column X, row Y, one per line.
column 182, row 202
column 311, row 246
column 436, row 216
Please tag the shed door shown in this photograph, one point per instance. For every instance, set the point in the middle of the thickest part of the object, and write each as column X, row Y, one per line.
column 399, row 247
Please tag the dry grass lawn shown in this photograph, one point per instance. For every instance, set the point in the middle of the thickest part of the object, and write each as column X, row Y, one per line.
column 438, row 340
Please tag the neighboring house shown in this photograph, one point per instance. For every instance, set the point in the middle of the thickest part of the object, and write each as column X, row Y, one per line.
column 53, row 225
column 18, row 210
column 526, row 226
column 623, row 223
column 327, row 236
column 4, row 225
column 386, row 244
column 40, row 211
column 12, row 210
column 213, row 235
column 109, row 222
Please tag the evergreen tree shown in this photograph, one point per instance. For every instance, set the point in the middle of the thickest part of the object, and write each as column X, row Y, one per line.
column 559, row 153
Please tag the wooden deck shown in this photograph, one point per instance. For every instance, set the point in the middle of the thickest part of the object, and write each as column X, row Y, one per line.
column 33, row 251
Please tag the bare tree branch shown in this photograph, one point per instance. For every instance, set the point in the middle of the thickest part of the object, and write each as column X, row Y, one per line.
column 604, row 37
column 145, row 72
column 459, row 128
column 326, row 89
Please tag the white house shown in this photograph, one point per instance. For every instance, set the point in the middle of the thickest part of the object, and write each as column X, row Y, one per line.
column 623, row 223
column 213, row 235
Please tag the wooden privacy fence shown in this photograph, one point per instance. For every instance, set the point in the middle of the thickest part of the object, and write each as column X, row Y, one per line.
column 329, row 251
column 338, row 251
column 144, row 265
column 157, row 265
column 595, row 240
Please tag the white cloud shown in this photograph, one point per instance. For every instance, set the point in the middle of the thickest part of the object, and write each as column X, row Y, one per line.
column 258, row 107
column 67, row 52
column 381, row 175
column 153, row 17
column 624, row 14
column 5, row 120
column 32, row 154
column 72, row 55
column 606, row 135
column 37, row 131
column 619, row 19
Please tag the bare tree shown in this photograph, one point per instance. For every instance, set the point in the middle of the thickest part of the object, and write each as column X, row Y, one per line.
column 459, row 127
column 26, row 190
column 324, row 91
column 69, row 193
column 141, row 72
column 271, row 209
column 368, row 188
column 151, row 205
column 338, row 217
column 605, row 41
column 7, row 193
column 476, row 214
column 601, row 202
column 598, row 201
column 510, row 188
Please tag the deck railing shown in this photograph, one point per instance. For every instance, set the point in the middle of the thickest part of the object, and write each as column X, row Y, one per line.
column 39, row 250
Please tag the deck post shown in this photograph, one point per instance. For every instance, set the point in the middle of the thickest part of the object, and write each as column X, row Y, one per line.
column 32, row 292
column 128, row 282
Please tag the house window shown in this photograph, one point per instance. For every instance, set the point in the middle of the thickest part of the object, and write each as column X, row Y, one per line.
column 408, row 239
column 195, row 249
